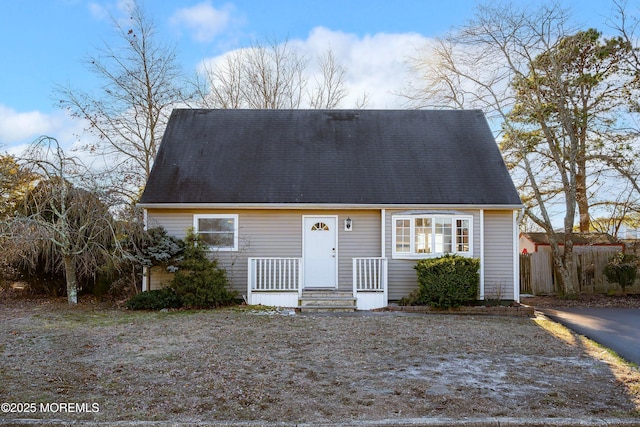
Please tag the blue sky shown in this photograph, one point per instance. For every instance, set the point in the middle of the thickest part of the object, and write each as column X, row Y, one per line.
column 43, row 43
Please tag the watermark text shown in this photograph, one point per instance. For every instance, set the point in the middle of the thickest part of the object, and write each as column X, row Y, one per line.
column 49, row 408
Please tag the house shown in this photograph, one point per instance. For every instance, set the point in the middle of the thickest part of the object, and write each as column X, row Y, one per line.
column 295, row 201
column 531, row 242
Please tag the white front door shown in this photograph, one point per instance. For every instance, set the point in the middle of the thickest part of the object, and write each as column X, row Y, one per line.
column 320, row 251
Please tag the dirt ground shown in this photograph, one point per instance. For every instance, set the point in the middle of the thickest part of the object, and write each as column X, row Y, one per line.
column 237, row 365
column 586, row 300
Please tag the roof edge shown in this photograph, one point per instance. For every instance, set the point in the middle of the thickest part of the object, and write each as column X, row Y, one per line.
column 320, row 206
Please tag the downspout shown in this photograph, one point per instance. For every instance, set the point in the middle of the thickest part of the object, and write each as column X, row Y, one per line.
column 517, row 219
column 382, row 233
column 145, row 270
column 383, row 253
column 481, row 254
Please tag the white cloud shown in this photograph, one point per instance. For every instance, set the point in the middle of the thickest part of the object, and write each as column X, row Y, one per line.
column 203, row 20
column 98, row 11
column 376, row 64
column 104, row 11
column 18, row 129
column 16, row 126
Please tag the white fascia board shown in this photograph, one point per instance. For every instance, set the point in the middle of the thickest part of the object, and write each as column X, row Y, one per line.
column 317, row 206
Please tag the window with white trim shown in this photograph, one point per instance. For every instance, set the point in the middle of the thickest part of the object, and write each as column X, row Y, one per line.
column 424, row 236
column 218, row 231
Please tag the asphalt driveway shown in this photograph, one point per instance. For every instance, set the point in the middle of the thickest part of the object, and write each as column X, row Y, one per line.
column 615, row 328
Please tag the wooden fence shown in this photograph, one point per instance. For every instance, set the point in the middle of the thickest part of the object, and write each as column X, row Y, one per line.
column 538, row 276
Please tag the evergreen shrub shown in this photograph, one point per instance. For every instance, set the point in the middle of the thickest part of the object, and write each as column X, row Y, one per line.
column 199, row 281
column 447, row 281
column 622, row 269
column 154, row 300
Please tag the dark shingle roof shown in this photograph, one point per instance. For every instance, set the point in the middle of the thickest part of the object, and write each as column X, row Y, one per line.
column 329, row 157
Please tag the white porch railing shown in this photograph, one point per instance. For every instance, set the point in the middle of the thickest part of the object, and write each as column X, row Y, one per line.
column 370, row 282
column 278, row 282
column 274, row 281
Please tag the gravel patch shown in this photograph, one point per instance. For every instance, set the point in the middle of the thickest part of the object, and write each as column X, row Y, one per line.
column 237, row 366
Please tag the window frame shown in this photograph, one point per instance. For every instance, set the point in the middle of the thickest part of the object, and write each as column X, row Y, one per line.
column 412, row 254
column 234, row 248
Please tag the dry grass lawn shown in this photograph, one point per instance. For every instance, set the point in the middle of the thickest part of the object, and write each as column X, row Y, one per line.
column 238, row 365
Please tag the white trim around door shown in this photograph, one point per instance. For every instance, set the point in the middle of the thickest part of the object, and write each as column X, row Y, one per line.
column 320, row 251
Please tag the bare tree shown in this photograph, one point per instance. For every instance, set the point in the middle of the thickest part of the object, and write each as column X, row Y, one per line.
column 274, row 76
column 557, row 96
column 271, row 76
column 329, row 88
column 57, row 219
column 220, row 86
column 618, row 213
column 629, row 166
column 473, row 66
column 141, row 84
column 363, row 101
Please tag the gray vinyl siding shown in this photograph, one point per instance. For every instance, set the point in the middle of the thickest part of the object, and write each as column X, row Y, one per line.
column 159, row 278
column 277, row 233
column 499, row 255
column 176, row 224
column 364, row 241
column 402, row 276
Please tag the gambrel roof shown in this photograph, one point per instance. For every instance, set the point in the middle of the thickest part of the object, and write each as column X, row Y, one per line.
column 351, row 157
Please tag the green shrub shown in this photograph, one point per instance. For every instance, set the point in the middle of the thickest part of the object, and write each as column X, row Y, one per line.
column 622, row 269
column 448, row 281
column 155, row 300
column 199, row 281
column 414, row 298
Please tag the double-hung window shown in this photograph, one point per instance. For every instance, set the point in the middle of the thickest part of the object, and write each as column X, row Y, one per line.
column 218, row 231
column 423, row 236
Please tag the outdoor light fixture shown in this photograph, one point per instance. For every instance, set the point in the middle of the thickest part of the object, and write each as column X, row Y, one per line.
column 347, row 224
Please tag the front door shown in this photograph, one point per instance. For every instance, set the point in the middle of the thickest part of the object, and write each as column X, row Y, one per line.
column 320, row 251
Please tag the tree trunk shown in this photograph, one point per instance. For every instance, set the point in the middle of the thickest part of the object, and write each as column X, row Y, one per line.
column 582, row 200
column 72, row 281
column 563, row 263
column 569, row 279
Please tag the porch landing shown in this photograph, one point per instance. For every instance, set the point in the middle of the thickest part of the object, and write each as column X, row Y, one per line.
column 278, row 282
column 326, row 300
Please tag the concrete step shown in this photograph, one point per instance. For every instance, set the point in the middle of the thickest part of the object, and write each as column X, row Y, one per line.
column 335, row 302
column 326, row 293
column 327, row 300
column 326, row 309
